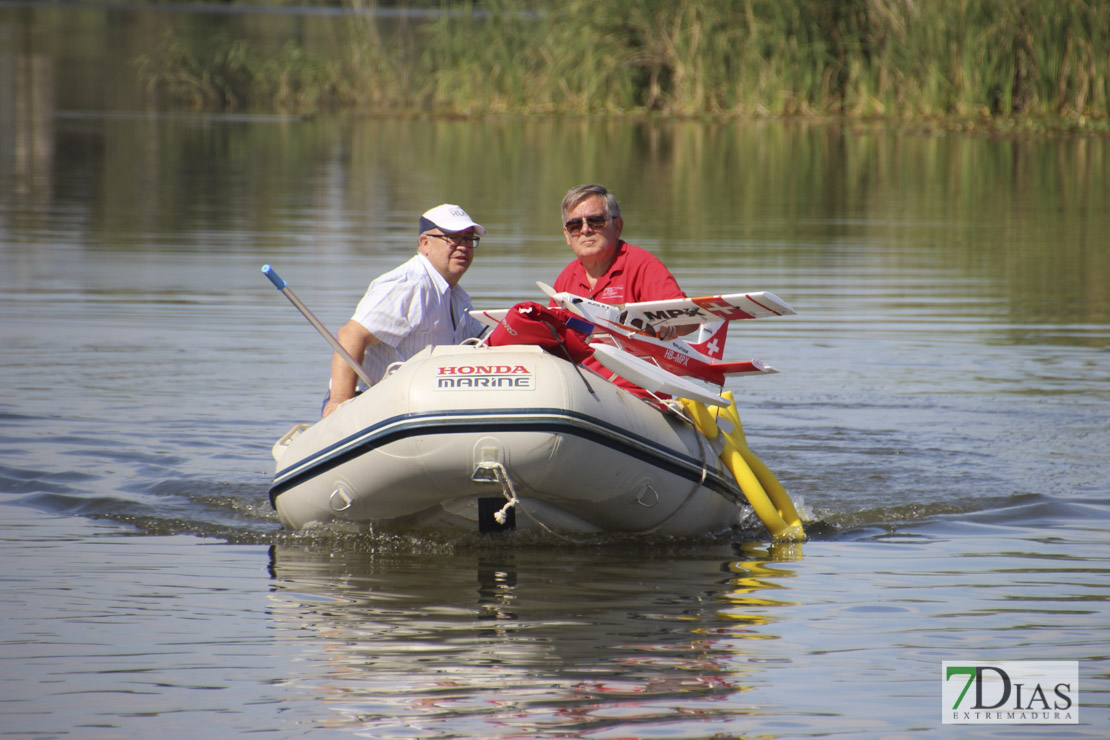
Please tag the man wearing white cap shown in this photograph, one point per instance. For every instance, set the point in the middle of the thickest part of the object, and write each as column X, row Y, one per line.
column 413, row 306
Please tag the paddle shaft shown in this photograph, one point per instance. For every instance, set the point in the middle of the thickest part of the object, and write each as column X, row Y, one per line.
column 284, row 288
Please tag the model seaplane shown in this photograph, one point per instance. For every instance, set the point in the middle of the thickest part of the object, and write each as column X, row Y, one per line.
column 625, row 339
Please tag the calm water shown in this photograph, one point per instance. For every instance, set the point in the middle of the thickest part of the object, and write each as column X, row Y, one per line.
column 942, row 416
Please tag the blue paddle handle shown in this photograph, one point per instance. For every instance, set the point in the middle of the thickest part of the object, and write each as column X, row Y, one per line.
column 288, row 293
column 274, row 277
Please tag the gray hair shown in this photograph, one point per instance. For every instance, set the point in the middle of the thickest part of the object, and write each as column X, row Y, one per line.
column 578, row 194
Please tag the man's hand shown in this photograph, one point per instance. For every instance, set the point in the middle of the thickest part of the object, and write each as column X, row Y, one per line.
column 330, row 407
column 667, row 333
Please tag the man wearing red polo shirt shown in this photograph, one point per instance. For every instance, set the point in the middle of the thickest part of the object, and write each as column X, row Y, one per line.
column 607, row 268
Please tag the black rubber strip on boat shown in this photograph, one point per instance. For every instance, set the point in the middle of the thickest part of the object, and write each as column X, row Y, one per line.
column 492, row 421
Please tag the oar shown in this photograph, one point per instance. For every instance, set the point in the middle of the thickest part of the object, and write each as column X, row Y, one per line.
column 284, row 288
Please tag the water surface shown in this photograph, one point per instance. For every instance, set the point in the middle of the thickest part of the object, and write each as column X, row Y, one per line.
column 940, row 416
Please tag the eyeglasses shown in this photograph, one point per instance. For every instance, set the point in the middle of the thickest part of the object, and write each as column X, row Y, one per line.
column 575, row 225
column 458, row 240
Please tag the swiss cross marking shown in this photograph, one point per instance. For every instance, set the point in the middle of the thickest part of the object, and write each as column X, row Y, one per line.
column 722, row 309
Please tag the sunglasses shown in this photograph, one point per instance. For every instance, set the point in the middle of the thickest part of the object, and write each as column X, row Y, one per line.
column 575, row 225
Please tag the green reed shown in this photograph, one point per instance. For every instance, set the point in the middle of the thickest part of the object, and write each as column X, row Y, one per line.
column 966, row 59
column 227, row 74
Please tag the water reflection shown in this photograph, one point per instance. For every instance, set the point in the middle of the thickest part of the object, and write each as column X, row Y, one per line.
column 752, row 576
column 499, row 643
column 998, row 232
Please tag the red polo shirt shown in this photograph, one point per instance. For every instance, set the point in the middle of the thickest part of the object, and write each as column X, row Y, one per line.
column 635, row 275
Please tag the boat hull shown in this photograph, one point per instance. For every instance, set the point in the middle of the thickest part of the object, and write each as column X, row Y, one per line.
column 458, row 424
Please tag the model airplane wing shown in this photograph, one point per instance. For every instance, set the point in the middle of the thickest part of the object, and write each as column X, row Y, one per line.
column 490, row 317
column 586, row 308
column 672, row 312
column 680, row 311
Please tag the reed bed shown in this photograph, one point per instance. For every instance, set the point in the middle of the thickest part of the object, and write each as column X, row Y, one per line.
column 1032, row 60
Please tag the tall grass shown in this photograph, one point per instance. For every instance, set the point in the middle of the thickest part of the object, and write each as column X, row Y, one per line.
column 226, row 74
column 889, row 58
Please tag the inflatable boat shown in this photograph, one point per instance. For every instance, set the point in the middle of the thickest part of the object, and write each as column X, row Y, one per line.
column 458, row 435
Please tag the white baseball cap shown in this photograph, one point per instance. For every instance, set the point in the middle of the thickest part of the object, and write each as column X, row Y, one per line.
column 449, row 218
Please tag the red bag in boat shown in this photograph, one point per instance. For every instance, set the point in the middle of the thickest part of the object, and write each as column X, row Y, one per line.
column 531, row 323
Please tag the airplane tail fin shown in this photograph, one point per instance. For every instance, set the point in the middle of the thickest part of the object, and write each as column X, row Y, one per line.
column 711, row 339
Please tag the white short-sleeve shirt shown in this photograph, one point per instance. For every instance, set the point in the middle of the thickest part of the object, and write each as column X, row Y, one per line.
column 410, row 308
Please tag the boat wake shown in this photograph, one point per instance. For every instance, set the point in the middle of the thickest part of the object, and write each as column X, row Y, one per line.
column 239, row 513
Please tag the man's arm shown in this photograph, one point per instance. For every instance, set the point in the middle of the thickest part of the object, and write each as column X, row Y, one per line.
column 356, row 339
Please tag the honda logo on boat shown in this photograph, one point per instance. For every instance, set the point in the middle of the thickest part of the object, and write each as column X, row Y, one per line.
column 500, row 377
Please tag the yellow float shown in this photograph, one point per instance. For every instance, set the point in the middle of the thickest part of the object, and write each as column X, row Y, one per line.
column 766, row 495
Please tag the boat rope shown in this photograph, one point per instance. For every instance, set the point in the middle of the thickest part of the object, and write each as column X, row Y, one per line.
column 513, row 501
column 703, row 448
column 507, row 490
column 566, row 354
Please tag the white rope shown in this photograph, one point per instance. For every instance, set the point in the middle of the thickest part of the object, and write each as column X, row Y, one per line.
column 509, row 492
